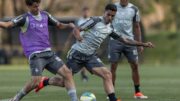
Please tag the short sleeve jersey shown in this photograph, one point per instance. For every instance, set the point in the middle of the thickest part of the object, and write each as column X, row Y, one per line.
column 124, row 19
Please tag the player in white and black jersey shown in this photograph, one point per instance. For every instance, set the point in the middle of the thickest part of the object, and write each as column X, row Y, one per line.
column 81, row 20
column 126, row 24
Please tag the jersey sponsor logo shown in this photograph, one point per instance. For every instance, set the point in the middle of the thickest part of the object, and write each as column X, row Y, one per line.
column 38, row 25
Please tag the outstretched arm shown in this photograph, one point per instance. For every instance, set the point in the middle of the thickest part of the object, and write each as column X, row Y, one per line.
column 15, row 22
column 6, row 24
column 54, row 22
column 63, row 26
column 131, row 42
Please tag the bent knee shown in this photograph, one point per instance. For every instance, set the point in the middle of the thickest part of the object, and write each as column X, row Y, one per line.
column 107, row 75
column 67, row 72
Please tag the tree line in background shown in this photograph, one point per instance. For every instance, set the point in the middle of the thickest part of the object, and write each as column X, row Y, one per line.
column 170, row 22
column 73, row 8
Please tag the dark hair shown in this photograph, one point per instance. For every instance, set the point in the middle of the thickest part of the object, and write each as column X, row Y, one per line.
column 111, row 7
column 30, row 2
column 85, row 8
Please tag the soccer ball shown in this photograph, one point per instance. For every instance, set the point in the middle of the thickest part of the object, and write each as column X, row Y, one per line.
column 88, row 96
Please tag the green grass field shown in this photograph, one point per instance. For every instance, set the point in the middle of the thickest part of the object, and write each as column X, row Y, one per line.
column 160, row 83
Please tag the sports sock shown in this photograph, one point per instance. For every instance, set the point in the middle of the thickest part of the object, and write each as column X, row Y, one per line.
column 83, row 75
column 20, row 95
column 46, row 82
column 112, row 97
column 137, row 88
column 72, row 94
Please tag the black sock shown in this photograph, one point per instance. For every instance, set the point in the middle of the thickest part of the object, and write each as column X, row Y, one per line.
column 46, row 82
column 112, row 97
column 137, row 88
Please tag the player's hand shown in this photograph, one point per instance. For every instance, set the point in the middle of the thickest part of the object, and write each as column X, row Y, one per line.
column 79, row 39
column 148, row 44
column 140, row 50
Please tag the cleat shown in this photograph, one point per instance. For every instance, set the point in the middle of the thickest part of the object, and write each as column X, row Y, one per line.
column 116, row 100
column 41, row 85
column 85, row 79
column 14, row 99
column 139, row 95
column 119, row 99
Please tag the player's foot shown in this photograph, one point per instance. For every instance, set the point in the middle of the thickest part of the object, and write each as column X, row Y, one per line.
column 41, row 84
column 118, row 99
column 140, row 95
column 85, row 79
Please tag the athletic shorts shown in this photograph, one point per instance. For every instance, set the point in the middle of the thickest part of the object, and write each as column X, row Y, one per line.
column 77, row 60
column 44, row 60
column 116, row 49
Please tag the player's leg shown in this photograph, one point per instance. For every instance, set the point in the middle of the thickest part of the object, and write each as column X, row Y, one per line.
column 105, row 74
column 132, row 56
column 36, row 65
column 84, row 77
column 65, row 72
column 95, row 66
column 56, row 66
column 54, row 81
column 114, row 55
column 33, row 83
column 113, row 71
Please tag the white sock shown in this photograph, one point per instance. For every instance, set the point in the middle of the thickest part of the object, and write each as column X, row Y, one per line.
column 72, row 94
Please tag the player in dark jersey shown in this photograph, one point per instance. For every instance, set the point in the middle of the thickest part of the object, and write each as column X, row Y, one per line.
column 34, row 37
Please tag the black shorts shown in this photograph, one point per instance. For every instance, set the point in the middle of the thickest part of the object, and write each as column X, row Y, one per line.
column 44, row 60
column 116, row 49
column 77, row 60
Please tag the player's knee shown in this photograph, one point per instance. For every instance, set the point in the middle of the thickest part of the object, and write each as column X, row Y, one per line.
column 68, row 74
column 134, row 66
column 107, row 75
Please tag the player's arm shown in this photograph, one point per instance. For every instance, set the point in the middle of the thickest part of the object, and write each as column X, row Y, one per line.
column 6, row 24
column 54, row 22
column 15, row 22
column 137, row 28
column 84, row 27
column 130, row 42
column 137, row 31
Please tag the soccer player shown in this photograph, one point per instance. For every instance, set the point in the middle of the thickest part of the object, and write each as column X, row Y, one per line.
column 84, row 18
column 34, row 37
column 93, row 33
column 126, row 24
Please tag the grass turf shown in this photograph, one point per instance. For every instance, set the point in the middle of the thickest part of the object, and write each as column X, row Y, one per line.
column 160, row 83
